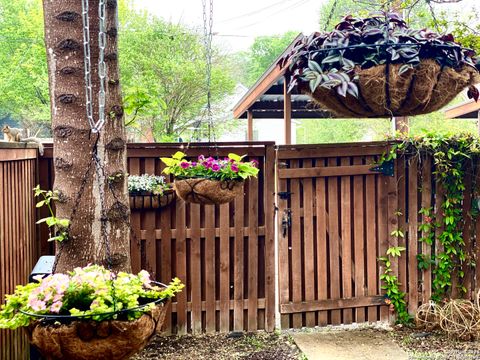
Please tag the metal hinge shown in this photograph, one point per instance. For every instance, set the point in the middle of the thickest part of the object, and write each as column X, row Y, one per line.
column 386, row 168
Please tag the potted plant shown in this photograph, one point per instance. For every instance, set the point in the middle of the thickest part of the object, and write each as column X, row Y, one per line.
column 207, row 180
column 89, row 313
column 149, row 192
column 379, row 67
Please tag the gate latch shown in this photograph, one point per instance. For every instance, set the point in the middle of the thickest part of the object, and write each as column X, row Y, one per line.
column 386, row 168
column 286, row 221
column 284, row 195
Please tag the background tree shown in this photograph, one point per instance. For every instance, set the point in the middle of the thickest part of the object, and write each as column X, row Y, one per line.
column 81, row 188
column 23, row 74
column 165, row 64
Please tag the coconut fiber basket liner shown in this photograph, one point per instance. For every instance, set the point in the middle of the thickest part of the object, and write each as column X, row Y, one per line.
column 92, row 340
column 207, row 191
column 424, row 89
column 147, row 200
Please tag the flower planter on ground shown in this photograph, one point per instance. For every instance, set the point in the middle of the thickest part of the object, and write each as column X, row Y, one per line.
column 379, row 67
column 207, row 180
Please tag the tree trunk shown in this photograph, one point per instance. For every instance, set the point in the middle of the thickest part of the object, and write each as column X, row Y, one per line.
column 74, row 143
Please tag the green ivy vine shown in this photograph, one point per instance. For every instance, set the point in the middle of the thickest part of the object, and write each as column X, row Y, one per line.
column 453, row 157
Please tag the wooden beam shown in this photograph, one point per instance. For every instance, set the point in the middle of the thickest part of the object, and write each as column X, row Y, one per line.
column 331, row 304
column 249, row 125
column 462, row 109
column 258, row 91
column 287, row 113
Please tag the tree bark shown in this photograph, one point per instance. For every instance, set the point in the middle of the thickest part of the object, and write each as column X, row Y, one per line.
column 74, row 143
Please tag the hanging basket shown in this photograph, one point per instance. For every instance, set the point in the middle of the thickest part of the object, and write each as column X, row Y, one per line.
column 91, row 340
column 207, row 191
column 147, row 200
column 421, row 90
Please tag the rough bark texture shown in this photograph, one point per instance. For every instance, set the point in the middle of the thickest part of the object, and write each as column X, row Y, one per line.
column 74, row 143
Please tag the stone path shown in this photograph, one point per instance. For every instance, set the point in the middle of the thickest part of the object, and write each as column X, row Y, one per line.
column 349, row 345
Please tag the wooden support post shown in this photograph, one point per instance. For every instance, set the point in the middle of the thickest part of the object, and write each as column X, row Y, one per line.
column 287, row 114
column 400, row 123
column 250, row 125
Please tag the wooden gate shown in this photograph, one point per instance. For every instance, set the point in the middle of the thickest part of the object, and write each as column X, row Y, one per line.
column 333, row 223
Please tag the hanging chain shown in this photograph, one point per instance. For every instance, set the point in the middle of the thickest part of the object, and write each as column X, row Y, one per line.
column 330, row 16
column 102, row 67
column 435, row 20
column 208, row 36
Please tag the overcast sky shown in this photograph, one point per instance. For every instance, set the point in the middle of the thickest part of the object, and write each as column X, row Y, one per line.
column 236, row 23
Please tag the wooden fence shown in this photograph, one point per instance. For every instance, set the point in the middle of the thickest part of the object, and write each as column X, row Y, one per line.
column 335, row 217
column 333, row 224
column 18, row 251
column 224, row 254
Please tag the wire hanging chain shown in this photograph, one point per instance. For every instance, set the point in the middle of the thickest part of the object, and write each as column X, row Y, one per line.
column 102, row 67
column 330, row 16
column 208, row 36
column 434, row 17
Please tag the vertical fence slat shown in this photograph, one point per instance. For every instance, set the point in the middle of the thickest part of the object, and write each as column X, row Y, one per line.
column 296, row 250
column 181, row 255
column 238, row 269
column 322, row 250
column 371, row 241
column 413, row 236
column 359, row 243
column 426, row 187
column 210, row 268
column 402, row 223
column 308, row 248
column 253, row 255
column 346, row 235
column 224, row 268
column 195, row 269
column 334, row 241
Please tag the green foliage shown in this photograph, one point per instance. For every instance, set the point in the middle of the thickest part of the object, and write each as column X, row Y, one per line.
column 23, row 74
column 453, row 156
column 263, row 53
column 163, row 70
column 59, row 227
column 391, row 285
column 92, row 292
column 231, row 168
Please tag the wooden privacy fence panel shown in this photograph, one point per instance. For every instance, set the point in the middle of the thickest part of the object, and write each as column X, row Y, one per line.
column 332, row 225
column 417, row 189
column 18, row 252
column 224, row 254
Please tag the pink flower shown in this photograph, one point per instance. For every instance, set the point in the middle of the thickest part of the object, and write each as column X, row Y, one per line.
column 234, row 168
column 254, row 163
column 37, row 305
column 201, row 158
column 56, row 306
column 215, row 167
column 185, row 165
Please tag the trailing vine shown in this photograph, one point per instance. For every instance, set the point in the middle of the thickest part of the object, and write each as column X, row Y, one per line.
column 394, row 296
column 454, row 157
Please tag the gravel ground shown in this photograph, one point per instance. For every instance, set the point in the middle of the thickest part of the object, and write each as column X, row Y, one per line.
column 258, row 346
column 435, row 345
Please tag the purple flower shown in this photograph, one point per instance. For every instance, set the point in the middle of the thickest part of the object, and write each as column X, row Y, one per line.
column 194, row 164
column 254, row 163
column 201, row 158
column 215, row 167
column 234, row 168
column 185, row 165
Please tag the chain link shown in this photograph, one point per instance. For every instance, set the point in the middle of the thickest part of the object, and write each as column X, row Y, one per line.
column 330, row 16
column 102, row 67
column 208, row 37
column 435, row 20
